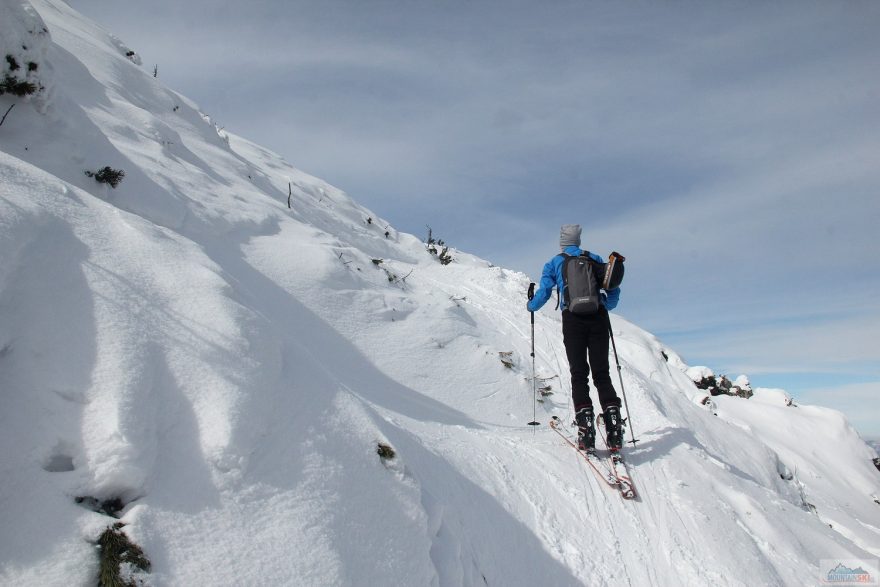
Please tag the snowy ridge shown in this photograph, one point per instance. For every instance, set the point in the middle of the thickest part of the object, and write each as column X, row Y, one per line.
column 226, row 366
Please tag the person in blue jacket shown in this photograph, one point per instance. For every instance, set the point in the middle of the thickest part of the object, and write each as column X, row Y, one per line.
column 586, row 339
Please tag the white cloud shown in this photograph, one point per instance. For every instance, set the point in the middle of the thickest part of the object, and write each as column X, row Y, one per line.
column 858, row 401
column 845, row 346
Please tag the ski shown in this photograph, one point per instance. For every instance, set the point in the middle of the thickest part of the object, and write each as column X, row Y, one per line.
column 627, row 487
column 623, row 478
column 607, row 476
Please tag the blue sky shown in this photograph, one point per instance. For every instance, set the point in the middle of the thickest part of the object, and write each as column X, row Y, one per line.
column 731, row 150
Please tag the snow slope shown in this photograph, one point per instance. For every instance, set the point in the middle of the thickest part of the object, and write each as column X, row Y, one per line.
column 226, row 365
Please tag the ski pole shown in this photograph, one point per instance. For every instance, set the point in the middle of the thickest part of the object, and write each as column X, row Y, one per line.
column 534, row 421
column 620, row 375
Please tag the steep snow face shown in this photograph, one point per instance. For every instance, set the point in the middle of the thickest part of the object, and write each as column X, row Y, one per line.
column 225, row 365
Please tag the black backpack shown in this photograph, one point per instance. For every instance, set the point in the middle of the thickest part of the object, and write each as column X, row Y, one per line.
column 583, row 277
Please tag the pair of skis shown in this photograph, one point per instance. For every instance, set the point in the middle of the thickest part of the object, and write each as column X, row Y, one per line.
column 612, row 471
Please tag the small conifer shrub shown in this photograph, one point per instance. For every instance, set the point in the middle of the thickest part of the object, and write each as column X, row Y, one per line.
column 385, row 452
column 12, row 84
column 107, row 175
column 17, row 87
column 116, row 550
column 438, row 248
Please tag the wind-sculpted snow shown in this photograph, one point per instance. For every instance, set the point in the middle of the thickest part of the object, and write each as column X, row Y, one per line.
column 225, row 366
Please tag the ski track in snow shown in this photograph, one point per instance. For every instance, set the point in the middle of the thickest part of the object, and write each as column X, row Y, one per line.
column 226, row 366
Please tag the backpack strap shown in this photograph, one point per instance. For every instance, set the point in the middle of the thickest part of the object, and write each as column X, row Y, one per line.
column 559, row 293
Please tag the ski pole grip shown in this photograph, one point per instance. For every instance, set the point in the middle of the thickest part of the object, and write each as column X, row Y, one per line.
column 531, row 291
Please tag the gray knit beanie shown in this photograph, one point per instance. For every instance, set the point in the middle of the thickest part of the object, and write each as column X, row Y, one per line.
column 569, row 235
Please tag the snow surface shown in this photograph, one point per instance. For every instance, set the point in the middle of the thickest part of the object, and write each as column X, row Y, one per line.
column 226, row 367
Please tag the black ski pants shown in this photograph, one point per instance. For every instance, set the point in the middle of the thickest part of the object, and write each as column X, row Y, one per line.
column 586, row 336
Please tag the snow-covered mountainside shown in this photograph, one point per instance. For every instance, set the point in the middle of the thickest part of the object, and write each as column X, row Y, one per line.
column 217, row 369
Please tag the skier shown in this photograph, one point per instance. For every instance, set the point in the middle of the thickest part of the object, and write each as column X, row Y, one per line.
column 584, row 335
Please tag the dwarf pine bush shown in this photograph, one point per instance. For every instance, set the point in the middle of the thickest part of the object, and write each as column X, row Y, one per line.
column 12, row 83
column 438, row 248
column 119, row 557
column 107, row 175
column 385, row 451
column 17, row 87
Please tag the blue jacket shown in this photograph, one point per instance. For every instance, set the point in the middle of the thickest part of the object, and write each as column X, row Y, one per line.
column 551, row 278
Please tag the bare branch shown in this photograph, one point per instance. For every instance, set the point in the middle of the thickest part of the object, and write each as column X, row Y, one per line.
column 2, row 120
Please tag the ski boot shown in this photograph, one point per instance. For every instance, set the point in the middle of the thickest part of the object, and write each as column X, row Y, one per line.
column 586, row 430
column 613, row 428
